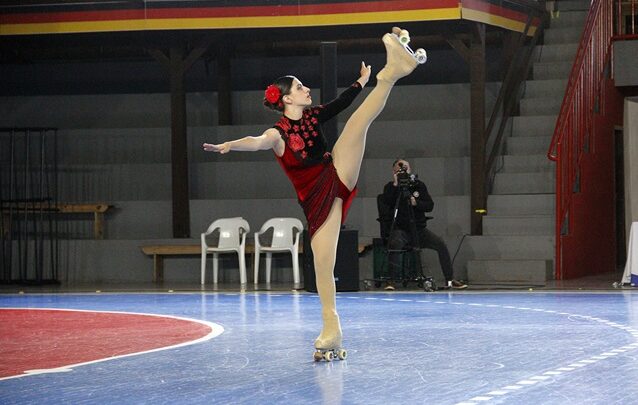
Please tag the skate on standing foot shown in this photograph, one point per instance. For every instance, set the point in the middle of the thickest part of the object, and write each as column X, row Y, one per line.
column 328, row 343
column 401, row 59
column 330, row 354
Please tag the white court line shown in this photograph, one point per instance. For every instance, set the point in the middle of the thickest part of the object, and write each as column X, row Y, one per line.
column 216, row 330
column 540, row 378
column 527, row 382
column 548, row 374
column 559, row 371
column 498, row 392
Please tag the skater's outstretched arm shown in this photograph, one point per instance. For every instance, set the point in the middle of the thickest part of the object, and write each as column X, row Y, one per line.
column 270, row 139
column 343, row 101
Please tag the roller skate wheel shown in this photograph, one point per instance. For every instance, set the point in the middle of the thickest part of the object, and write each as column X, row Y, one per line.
column 328, row 356
column 404, row 37
column 342, row 354
column 317, row 356
column 421, row 56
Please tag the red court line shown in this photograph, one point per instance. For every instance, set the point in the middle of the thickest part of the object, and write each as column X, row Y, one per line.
column 36, row 339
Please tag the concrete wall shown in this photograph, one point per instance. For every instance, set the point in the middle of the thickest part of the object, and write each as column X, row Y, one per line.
column 116, row 148
column 625, row 63
column 153, row 110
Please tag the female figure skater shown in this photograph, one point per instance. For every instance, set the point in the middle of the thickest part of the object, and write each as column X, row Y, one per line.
column 325, row 183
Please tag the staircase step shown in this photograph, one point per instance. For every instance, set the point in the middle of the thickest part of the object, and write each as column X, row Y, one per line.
column 527, row 163
column 569, row 18
column 518, row 225
column 572, row 5
column 542, row 125
column 561, row 35
column 545, row 88
column 510, row 272
column 521, row 204
column 524, row 183
column 552, row 70
column 528, row 145
column 541, row 105
column 509, row 247
column 555, row 52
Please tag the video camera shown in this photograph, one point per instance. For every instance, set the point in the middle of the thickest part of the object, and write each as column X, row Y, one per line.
column 403, row 177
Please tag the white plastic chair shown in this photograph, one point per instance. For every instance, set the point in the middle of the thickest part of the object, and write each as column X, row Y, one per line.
column 285, row 238
column 232, row 238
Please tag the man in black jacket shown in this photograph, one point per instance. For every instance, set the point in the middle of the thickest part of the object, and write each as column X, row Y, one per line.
column 411, row 192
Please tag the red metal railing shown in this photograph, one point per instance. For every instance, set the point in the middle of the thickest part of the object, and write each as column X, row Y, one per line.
column 626, row 18
column 574, row 132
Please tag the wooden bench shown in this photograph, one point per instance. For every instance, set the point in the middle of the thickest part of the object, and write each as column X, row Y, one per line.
column 97, row 210
column 160, row 251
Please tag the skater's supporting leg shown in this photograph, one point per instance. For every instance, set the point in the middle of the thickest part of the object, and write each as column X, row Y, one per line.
column 349, row 149
column 324, row 248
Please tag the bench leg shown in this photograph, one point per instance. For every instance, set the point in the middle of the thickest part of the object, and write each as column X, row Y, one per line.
column 98, row 225
column 158, row 269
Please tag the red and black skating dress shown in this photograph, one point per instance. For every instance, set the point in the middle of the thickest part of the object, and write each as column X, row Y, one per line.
column 308, row 164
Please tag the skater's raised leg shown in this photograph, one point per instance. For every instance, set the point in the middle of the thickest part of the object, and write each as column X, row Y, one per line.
column 349, row 149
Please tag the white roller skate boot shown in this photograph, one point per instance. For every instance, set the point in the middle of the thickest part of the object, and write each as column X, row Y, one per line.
column 400, row 59
column 328, row 344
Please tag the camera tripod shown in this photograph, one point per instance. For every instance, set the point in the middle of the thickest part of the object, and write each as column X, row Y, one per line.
column 423, row 281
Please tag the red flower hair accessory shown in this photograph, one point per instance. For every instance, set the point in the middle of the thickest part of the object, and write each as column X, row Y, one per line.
column 272, row 94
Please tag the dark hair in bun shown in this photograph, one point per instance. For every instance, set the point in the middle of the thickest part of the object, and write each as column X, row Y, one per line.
column 283, row 86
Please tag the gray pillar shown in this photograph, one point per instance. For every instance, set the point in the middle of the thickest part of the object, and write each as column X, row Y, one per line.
column 329, row 87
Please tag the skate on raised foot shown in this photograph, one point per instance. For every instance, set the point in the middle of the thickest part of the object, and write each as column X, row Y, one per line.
column 419, row 55
column 330, row 354
column 401, row 59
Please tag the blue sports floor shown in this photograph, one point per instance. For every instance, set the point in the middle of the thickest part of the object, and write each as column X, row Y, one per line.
column 404, row 348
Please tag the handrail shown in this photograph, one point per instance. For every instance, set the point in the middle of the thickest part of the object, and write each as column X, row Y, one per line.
column 573, row 130
column 509, row 94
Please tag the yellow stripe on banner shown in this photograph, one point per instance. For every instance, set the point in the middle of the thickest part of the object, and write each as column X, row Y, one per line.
column 233, row 22
column 491, row 19
column 72, row 27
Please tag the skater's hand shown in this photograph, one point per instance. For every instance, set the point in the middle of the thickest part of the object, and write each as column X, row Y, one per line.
column 365, row 74
column 220, row 148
